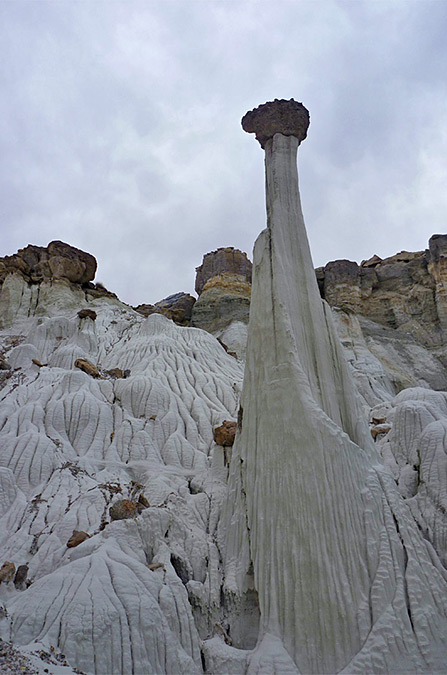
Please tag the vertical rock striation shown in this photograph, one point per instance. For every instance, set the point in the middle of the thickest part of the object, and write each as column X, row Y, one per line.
column 344, row 579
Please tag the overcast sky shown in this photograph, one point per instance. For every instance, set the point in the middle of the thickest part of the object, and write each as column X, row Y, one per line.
column 120, row 128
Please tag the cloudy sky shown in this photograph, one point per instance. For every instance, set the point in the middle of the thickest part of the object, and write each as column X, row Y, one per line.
column 120, row 128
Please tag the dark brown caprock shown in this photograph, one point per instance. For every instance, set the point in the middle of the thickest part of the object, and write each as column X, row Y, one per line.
column 289, row 118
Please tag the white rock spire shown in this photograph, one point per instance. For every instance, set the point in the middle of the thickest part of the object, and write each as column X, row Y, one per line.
column 343, row 576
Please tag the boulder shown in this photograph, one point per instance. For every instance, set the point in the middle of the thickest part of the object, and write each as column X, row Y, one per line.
column 4, row 365
column 7, row 571
column 225, row 434
column 87, row 314
column 87, row 367
column 116, row 373
column 126, row 508
column 77, row 538
column 371, row 262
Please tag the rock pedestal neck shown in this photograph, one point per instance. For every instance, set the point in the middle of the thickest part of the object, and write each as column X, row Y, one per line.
column 344, row 579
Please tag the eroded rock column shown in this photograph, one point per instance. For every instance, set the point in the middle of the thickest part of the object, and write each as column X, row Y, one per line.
column 344, row 579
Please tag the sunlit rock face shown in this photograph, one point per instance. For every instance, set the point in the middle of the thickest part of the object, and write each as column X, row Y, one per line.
column 314, row 521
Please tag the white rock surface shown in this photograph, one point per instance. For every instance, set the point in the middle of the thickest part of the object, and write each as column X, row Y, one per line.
column 71, row 445
column 345, row 580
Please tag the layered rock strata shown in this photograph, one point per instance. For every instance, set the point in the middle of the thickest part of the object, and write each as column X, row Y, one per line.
column 223, row 283
column 404, row 292
column 43, row 280
column 57, row 261
column 314, row 521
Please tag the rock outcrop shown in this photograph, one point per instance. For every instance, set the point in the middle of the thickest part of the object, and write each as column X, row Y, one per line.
column 404, row 292
column 224, row 434
column 177, row 307
column 57, row 261
column 223, row 283
column 390, row 313
column 7, row 571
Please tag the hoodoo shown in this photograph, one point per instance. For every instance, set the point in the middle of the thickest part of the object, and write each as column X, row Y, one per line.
column 314, row 521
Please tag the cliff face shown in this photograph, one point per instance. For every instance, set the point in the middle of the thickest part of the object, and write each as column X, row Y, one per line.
column 404, row 292
column 390, row 314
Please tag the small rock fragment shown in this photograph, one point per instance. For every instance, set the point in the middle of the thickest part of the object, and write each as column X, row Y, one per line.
column 87, row 367
column 7, row 571
column 87, row 314
column 125, row 508
column 380, row 429
column 4, row 365
column 143, row 501
column 155, row 566
column 378, row 420
column 224, row 435
column 77, row 538
column 38, row 363
column 20, row 577
column 115, row 373
column 371, row 262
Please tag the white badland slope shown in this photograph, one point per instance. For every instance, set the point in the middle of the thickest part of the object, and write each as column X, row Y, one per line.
column 73, row 445
column 344, row 577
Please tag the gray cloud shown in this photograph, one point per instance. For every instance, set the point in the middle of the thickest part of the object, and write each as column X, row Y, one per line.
column 121, row 132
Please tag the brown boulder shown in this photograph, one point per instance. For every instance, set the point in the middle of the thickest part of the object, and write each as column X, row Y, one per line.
column 77, row 538
column 7, row 571
column 87, row 314
column 125, row 508
column 70, row 262
column 115, row 373
column 225, row 434
column 380, row 429
column 87, row 367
